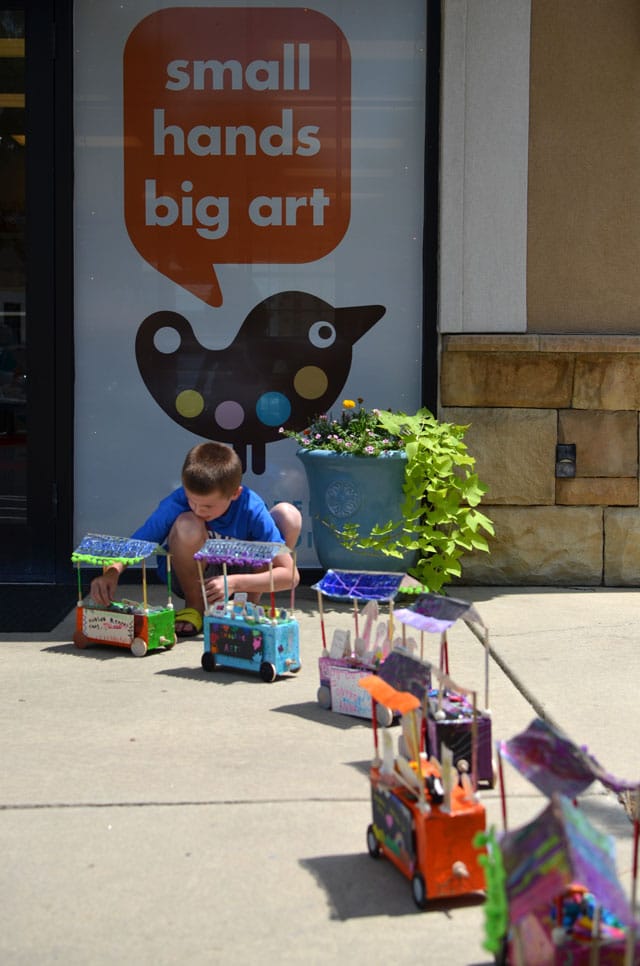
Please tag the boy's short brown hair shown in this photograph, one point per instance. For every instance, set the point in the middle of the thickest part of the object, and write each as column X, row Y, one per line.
column 212, row 467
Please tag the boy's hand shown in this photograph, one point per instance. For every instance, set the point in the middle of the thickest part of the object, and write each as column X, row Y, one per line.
column 103, row 588
column 214, row 589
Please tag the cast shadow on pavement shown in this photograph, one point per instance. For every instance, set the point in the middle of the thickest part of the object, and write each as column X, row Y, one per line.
column 99, row 652
column 312, row 711
column 224, row 676
column 358, row 886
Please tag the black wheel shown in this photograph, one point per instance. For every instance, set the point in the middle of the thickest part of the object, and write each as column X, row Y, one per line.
column 208, row 661
column 419, row 891
column 372, row 843
column 267, row 672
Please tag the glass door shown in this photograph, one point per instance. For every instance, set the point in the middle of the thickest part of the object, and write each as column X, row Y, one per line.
column 34, row 341
column 13, row 269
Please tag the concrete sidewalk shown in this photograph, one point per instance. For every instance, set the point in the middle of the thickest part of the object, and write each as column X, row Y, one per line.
column 156, row 814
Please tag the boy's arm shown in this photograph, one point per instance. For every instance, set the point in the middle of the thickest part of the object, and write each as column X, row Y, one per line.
column 284, row 574
column 103, row 588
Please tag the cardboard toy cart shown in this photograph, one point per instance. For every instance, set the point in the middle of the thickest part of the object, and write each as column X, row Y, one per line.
column 425, row 815
column 137, row 626
column 346, row 660
column 242, row 635
column 450, row 717
column 553, row 894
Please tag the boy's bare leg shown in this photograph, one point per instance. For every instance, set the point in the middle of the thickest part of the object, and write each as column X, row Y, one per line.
column 187, row 536
column 288, row 520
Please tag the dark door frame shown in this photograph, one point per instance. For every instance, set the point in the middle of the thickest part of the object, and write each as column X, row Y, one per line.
column 39, row 551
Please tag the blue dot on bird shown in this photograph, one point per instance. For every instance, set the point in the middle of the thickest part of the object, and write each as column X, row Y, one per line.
column 273, row 409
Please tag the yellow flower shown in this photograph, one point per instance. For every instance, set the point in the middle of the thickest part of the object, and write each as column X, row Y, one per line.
column 348, row 404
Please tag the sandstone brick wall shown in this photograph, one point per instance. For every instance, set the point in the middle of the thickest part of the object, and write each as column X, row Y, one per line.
column 522, row 395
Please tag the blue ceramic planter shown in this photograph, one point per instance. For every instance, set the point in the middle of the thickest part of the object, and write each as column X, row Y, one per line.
column 362, row 490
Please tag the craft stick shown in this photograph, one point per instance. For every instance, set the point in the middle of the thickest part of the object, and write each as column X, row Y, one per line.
column 374, row 723
column 293, row 581
column 145, row 603
column 421, row 645
column 169, row 601
column 79, row 584
column 272, row 591
column 444, row 653
column 355, row 616
column 630, row 950
column 226, row 583
column 486, row 668
column 322, row 627
column 503, row 798
column 594, row 952
column 202, row 586
column 474, row 743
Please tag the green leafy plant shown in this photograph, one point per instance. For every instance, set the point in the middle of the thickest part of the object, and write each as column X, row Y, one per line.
column 440, row 515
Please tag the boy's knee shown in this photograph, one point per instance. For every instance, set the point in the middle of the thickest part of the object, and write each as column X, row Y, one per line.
column 288, row 520
column 187, row 529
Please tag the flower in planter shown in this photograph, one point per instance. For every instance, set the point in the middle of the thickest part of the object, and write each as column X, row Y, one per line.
column 439, row 517
column 357, row 431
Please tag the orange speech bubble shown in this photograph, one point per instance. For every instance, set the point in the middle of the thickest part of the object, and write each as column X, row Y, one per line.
column 236, row 139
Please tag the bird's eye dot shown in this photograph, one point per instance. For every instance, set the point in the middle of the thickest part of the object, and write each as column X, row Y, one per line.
column 167, row 340
column 322, row 334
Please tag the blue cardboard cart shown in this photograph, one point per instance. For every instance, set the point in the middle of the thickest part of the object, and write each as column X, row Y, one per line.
column 242, row 635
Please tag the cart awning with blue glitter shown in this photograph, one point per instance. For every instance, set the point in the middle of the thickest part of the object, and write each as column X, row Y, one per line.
column 359, row 585
column 240, row 553
column 100, row 550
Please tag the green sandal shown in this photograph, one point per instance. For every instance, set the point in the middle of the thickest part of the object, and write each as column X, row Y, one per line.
column 189, row 615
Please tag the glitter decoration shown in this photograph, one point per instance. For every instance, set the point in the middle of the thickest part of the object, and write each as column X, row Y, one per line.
column 240, row 553
column 100, row 550
column 358, row 585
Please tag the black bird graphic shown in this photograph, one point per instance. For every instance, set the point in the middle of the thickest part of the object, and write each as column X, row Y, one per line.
column 288, row 363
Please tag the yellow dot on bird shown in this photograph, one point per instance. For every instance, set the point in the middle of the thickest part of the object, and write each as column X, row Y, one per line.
column 310, row 382
column 189, row 403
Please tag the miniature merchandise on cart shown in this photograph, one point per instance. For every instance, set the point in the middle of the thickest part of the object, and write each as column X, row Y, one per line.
column 553, row 894
column 426, row 815
column 242, row 635
column 347, row 659
column 130, row 624
column 449, row 715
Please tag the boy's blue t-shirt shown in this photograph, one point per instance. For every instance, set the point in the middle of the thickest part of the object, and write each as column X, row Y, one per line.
column 246, row 519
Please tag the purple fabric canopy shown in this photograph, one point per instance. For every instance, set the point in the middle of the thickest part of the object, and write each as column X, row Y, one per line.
column 553, row 763
column 435, row 613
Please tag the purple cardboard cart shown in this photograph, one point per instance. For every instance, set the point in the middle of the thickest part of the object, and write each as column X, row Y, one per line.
column 343, row 663
column 450, row 716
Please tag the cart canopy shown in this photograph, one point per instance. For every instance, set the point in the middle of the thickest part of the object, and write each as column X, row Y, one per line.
column 435, row 613
column 100, row 550
column 559, row 847
column 553, row 763
column 240, row 553
column 359, row 585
